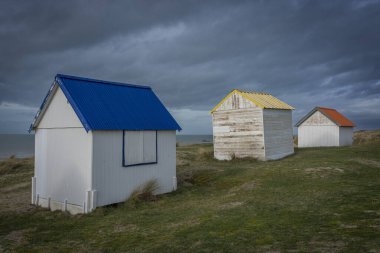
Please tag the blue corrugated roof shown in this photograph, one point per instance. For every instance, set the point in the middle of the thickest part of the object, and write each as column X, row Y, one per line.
column 103, row 105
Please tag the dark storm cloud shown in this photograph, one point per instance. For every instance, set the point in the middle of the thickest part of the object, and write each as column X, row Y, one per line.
column 307, row 53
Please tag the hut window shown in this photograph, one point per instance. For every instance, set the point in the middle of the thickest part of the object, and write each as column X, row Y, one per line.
column 139, row 147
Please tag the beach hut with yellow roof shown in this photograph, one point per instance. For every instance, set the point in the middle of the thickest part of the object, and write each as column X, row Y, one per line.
column 252, row 124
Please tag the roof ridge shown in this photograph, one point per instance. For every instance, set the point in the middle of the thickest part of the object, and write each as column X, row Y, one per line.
column 326, row 108
column 255, row 92
column 102, row 81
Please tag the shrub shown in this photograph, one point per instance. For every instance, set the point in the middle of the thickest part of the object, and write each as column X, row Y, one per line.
column 145, row 192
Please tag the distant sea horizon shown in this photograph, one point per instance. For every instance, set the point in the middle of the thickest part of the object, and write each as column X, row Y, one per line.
column 22, row 145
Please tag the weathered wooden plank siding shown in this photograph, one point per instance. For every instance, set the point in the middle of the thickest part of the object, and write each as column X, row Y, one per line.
column 238, row 133
column 318, row 119
column 235, row 101
column 278, row 133
column 242, row 129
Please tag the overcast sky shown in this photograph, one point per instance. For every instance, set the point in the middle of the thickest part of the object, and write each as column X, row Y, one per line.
column 193, row 53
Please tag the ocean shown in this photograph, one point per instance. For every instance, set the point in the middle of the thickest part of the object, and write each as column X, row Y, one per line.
column 22, row 145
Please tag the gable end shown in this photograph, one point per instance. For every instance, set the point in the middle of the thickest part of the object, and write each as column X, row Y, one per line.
column 59, row 113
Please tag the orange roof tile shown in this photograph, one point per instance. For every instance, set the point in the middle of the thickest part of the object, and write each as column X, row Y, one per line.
column 337, row 117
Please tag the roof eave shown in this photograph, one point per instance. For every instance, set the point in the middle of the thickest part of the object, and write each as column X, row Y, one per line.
column 222, row 101
column 306, row 117
column 43, row 106
column 102, row 81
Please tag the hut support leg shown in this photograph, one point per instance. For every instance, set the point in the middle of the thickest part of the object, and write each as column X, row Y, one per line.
column 33, row 190
column 91, row 197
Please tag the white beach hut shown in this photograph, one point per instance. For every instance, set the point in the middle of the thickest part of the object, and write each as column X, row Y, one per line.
column 323, row 127
column 96, row 141
column 252, row 124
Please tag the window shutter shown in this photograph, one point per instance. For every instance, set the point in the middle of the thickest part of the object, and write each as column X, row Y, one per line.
column 149, row 146
column 133, row 147
column 140, row 147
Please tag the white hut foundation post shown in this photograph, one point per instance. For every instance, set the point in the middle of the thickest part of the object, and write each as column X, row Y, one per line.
column 33, row 190
column 91, row 200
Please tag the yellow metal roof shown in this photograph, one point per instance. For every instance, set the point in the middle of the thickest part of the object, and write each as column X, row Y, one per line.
column 263, row 100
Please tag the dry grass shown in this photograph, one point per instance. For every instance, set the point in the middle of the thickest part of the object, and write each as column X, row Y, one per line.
column 204, row 153
column 367, row 162
column 185, row 178
column 366, row 137
column 145, row 192
column 15, row 180
column 14, row 165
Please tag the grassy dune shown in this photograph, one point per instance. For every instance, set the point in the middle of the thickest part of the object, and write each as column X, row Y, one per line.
column 318, row 200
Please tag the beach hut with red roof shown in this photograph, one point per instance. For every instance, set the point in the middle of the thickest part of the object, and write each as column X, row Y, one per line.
column 324, row 127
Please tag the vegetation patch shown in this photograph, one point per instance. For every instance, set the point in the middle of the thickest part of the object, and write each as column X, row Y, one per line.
column 371, row 163
column 244, row 187
column 145, row 192
column 318, row 200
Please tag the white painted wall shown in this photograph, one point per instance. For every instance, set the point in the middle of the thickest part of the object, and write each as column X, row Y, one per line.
column 63, row 164
column 318, row 136
column 320, row 131
column 278, row 133
column 63, row 151
column 59, row 114
column 345, row 136
column 113, row 182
